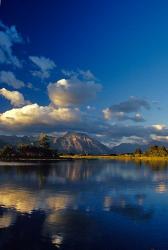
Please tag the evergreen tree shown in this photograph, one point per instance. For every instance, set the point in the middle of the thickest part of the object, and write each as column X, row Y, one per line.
column 138, row 151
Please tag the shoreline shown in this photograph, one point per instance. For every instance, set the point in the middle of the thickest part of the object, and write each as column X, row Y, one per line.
column 116, row 157
column 89, row 157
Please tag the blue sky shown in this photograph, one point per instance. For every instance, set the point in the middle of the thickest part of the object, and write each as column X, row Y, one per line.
column 81, row 65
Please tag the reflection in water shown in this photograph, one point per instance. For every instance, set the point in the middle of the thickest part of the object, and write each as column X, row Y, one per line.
column 161, row 188
column 140, row 199
column 62, row 204
column 7, row 219
column 57, row 240
column 21, row 200
column 154, row 164
column 125, row 207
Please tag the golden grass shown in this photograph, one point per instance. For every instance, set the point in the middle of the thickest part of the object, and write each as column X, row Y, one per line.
column 116, row 157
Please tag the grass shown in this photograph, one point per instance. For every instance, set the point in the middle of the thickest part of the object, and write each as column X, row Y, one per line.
column 115, row 157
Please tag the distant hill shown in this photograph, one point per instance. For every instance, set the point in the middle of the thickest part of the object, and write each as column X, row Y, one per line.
column 128, row 148
column 2, row 143
column 14, row 140
column 80, row 143
column 131, row 147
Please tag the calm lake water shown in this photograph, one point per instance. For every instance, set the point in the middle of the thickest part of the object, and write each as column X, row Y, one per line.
column 81, row 204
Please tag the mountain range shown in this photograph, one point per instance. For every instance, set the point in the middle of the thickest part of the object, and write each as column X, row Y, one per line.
column 131, row 147
column 70, row 143
column 78, row 143
column 14, row 140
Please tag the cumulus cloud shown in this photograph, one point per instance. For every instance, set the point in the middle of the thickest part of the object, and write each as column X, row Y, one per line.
column 67, row 92
column 15, row 97
column 44, row 65
column 34, row 118
column 8, row 38
column 159, row 127
column 160, row 138
column 33, row 115
column 121, row 116
column 118, row 133
column 120, row 111
column 133, row 104
column 65, row 95
column 9, row 78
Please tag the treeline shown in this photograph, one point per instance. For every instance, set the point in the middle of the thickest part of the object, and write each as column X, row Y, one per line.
column 152, row 151
column 36, row 150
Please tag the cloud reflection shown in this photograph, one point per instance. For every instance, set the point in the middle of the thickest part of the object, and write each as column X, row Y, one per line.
column 72, row 195
column 7, row 219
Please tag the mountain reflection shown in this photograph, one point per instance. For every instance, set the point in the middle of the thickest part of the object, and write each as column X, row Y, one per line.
column 66, row 197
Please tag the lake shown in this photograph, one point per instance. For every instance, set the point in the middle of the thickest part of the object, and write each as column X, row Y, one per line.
column 83, row 204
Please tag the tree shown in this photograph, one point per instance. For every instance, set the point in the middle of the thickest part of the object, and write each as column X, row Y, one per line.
column 138, row 151
column 7, row 152
column 157, row 151
column 44, row 141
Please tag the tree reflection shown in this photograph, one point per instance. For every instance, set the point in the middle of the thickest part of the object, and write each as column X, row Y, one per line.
column 45, row 206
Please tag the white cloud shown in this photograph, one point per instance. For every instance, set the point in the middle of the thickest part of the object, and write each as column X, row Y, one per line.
column 9, row 78
column 34, row 118
column 45, row 66
column 121, row 116
column 67, row 92
column 36, row 115
column 159, row 126
column 107, row 113
column 15, row 97
column 120, row 111
column 118, row 132
column 8, row 38
column 159, row 138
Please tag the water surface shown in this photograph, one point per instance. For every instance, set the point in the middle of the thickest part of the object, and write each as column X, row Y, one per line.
column 83, row 204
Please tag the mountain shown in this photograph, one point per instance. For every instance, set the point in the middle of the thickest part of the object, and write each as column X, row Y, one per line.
column 14, row 140
column 124, row 148
column 2, row 143
column 80, row 143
